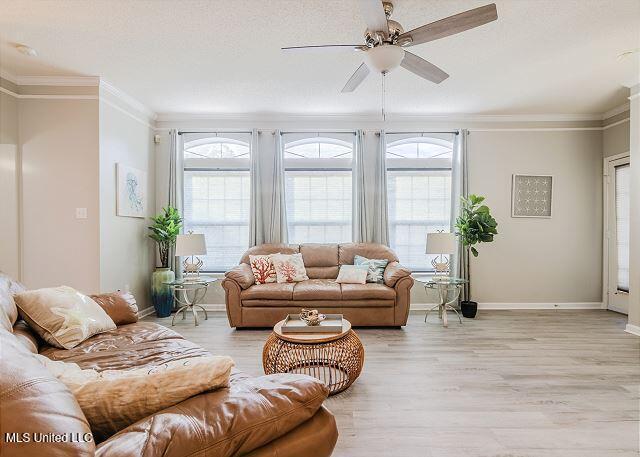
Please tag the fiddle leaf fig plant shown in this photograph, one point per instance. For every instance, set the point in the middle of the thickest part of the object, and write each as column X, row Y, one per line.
column 165, row 229
column 475, row 225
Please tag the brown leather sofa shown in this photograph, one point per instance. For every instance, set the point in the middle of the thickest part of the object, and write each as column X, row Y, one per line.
column 262, row 305
column 266, row 416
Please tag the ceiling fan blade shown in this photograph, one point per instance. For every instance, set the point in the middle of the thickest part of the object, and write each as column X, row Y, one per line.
column 450, row 25
column 327, row 47
column 374, row 16
column 356, row 78
column 423, row 68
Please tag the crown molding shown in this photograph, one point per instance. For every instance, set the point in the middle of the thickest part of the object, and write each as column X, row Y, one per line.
column 127, row 99
column 8, row 76
column 615, row 111
column 391, row 117
column 76, row 81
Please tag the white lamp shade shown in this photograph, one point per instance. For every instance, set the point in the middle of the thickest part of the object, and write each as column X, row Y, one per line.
column 190, row 244
column 441, row 243
column 384, row 58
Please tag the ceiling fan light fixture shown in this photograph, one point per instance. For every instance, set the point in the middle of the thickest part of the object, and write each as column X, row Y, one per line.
column 384, row 58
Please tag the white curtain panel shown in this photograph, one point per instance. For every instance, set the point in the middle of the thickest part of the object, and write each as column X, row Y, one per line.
column 268, row 219
column 176, row 188
column 370, row 215
column 459, row 189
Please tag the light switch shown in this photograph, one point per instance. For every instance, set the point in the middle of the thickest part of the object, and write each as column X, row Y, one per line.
column 81, row 213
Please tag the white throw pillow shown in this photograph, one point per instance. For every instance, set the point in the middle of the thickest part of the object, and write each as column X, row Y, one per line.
column 352, row 274
column 62, row 316
column 289, row 268
column 114, row 399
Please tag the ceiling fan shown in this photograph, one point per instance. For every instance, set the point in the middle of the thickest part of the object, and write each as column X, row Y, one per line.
column 385, row 40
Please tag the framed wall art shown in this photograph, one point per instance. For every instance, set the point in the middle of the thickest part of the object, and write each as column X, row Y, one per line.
column 131, row 192
column 531, row 196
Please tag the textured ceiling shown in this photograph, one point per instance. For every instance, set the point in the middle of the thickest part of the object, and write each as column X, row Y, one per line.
column 541, row 56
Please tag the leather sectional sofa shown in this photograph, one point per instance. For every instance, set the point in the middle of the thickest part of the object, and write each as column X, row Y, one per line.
column 262, row 305
column 266, row 416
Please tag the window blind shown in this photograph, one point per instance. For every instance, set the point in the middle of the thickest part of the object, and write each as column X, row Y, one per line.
column 622, row 225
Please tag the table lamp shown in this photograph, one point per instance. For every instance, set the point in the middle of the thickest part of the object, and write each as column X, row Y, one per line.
column 191, row 245
column 441, row 243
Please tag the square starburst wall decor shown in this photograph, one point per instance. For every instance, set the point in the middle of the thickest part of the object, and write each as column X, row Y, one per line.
column 531, row 196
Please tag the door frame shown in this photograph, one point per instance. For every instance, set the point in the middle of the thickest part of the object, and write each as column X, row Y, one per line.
column 606, row 178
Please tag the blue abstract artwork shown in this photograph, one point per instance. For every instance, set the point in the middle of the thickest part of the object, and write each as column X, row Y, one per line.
column 131, row 191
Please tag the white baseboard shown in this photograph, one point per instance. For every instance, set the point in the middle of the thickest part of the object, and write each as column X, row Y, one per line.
column 633, row 329
column 220, row 307
column 617, row 310
column 519, row 306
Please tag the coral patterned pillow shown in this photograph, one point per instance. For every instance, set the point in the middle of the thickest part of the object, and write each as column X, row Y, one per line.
column 289, row 268
column 263, row 269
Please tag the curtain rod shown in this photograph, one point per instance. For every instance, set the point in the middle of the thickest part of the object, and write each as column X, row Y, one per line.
column 454, row 132
column 180, row 132
column 318, row 131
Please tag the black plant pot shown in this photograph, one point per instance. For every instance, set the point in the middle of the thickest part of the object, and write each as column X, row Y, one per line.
column 469, row 309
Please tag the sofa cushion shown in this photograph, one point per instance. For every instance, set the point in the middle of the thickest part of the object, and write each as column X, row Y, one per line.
column 128, row 346
column 317, row 289
column 228, row 422
column 368, row 290
column 275, row 291
column 264, row 249
column 280, row 308
column 120, row 306
column 319, row 255
column 112, row 400
column 347, row 252
column 35, row 402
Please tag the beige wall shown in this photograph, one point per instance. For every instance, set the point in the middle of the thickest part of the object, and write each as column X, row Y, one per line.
column 9, row 161
column 540, row 260
column 126, row 253
column 59, row 148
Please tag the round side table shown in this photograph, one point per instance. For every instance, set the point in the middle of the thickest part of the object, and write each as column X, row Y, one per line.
column 334, row 359
column 188, row 293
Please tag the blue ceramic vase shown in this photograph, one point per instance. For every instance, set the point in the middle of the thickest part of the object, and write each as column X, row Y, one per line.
column 161, row 294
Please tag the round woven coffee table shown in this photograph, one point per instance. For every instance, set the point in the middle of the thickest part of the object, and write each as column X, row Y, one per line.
column 334, row 359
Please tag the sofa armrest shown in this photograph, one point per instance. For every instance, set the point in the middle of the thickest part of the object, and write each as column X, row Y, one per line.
column 120, row 306
column 241, row 274
column 394, row 272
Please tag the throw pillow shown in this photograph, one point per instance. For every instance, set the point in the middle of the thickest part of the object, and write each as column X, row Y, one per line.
column 352, row 274
column 376, row 268
column 62, row 316
column 289, row 268
column 114, row 399
column 262, row 268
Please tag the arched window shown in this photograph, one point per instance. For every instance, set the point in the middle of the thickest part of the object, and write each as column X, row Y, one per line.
column 420, row 148
column 318, row 148
column 216, row 194
column 216, row 148
column 418, row 194
column 318, row 186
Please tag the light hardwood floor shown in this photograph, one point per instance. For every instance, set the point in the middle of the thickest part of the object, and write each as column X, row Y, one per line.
column 507, row 384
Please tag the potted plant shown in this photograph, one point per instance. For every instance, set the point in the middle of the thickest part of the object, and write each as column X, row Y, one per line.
column 474, row 225
column 165, row 229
